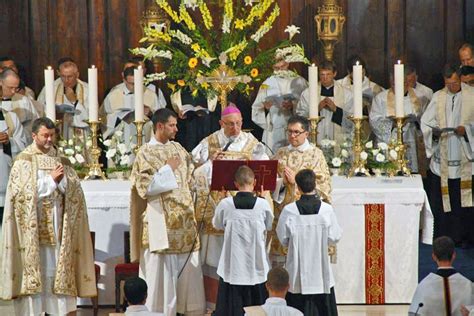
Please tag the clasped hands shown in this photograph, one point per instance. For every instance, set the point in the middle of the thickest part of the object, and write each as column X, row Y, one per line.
column 4, row 138
column 327, row 103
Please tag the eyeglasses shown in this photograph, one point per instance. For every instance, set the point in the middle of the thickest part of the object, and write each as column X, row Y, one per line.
column 231, row 124
column 295, row 133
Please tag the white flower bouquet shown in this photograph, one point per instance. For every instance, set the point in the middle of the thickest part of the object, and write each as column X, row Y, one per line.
column 119, row 155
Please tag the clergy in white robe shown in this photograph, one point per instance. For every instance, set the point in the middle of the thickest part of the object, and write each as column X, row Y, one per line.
column 335, row 105
column 275, row 102
column 446, row 129
column 69, row 90
column 308, row 227
column 444, row 291
column 382, row 115
column 424, row 93
column 163, row 230
column 8, row 62
column 24, row 109
column 243, row 263
column 49, row 262
column 119, row 106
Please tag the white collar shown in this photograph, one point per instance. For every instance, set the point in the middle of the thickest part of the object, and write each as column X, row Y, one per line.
column 154, row 141
column 276, row 301
column 300, row 148
column 226, row 138
column 125, row 89
column 137, row 308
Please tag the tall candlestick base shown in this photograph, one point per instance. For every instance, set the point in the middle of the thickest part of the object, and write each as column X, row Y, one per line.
column 139, row 125
column 358, row 164
column 95, row 170
column 314, row 129
column 402, row 167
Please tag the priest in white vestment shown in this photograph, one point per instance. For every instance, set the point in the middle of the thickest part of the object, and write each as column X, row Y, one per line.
column 335, row 105
column 8, row 62
column 424, row 93
column 49, row 262
column 308, row 227
column 382, row 116
column 444, row 291
column 243, row 264
column 119, row 106
column 163, row 229
column 447, row 130
column 72, row 92
column 275, row 102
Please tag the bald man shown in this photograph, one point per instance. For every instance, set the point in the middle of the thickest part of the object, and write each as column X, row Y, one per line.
column 466, row 54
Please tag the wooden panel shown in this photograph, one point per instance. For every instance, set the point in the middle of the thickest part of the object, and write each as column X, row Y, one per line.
column 395, row 36
column 454, row 29
column 97, row 41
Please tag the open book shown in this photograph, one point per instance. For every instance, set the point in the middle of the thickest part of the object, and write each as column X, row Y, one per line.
column 185, row 108
column 278, row 99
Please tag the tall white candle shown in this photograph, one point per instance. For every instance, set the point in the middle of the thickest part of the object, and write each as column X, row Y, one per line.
column 138, row 92
column 313, row 92
column 399, row 89
column 93, row 99
column 357, row 86
column 49, row 93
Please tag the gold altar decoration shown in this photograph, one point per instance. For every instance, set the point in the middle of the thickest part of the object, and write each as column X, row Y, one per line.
column 139, row 125
column 359, row 165
column 314, row 129
column 94, row 166
column 401, row 163
column 329, row 22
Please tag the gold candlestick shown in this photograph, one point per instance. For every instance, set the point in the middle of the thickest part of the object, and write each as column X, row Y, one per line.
column 139, row 125
column 94, row 166
column 314, row 129
column 402, row 168
column 358, row 164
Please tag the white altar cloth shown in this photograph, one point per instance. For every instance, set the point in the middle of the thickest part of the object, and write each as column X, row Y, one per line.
column 406, row 211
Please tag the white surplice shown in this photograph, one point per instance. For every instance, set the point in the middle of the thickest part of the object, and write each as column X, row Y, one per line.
column 25, row 110
column 342, row 99
column 384, row 130
column 424, row 94
column 161, row 271
column 274, row 121
column 46, row 301
column 430, row 292
column 243, row 259
column 18, row 142
column 307, row 238
column 274, row 306
column 457, row 145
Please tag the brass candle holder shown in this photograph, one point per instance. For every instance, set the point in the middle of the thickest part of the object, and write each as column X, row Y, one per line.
column 94, row 166
column 402, row 168
column 139, row 125
column 314, row 129
column 358, row 164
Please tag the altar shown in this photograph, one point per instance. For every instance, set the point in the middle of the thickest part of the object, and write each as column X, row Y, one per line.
column 377, row 257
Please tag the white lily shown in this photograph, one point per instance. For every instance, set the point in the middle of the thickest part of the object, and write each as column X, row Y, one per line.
column 79, row 158
column 393, row 154
column 369, row 145
column 344, row 153
column 363, row 155
column 336, row 162
column 292, row 30
column 72, row 160
column 382, row 146
column 380, row 157
column 107, row 142
column 111, row 153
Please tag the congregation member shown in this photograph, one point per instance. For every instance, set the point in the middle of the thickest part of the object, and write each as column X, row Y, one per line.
column 446, row 126
column 46, row 217
column 335, row 105
column 243, row 264
column 298, row 155
column 444, row 291
column 278, row 283
column 230, row 142
column 382, row 115
column 275, row 103
column 72, row 93
column 423, row 93
column 467, row 75
column 466, row 54
column 12, row 138
column 8, row 62
column 13, row 101
column 308, row 227
column 119, row 106
column 163, row 234
column 136, row 293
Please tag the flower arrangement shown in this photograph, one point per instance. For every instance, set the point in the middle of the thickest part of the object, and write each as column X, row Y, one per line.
column 73, row 150
column 380, row 158
column 118, row 153
column 336, row 161
column 195, row 51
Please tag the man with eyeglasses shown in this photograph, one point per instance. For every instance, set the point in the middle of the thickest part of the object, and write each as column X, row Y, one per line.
column 12, row 137
column 230, row 142
column 298, row 155
column 69, row 90
column 13, row 101
column 8, row 62
column 447, row 126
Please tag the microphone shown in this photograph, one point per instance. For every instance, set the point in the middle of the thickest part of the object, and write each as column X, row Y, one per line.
column 420, row 305
column 231, row 140
column 273, row 154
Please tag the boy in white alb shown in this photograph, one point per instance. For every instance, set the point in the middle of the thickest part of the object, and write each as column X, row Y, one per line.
column 243, row 264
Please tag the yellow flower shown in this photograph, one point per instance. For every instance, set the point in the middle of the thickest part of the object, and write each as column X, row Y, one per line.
column 239, row 24
column 264, row 86
column 254, row 72
column 195, row 92
column 192, row 62
column 205, row 85
column 181, row 83
column 195, row 47
column 248, row 89
column 247, row 60
column 172, row 86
